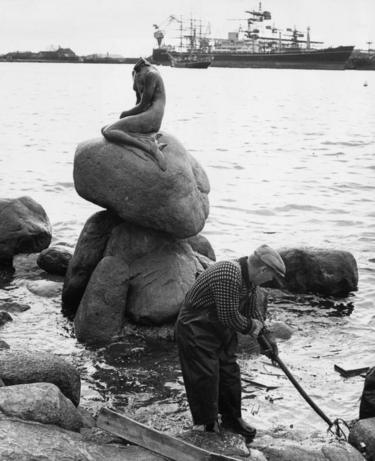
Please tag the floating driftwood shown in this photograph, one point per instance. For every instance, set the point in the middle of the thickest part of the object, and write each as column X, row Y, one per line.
column 350, row 370
column 153, row 440
column 262, row 382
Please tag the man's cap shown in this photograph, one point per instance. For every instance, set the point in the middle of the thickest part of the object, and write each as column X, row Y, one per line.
column 271, row 258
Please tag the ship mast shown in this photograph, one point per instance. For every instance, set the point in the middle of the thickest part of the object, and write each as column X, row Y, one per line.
column 308, row 43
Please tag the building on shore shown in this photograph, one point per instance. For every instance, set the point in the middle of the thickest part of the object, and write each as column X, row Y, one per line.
column 64, row 55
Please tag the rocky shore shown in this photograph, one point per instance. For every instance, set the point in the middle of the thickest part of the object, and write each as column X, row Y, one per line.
column 123, row 286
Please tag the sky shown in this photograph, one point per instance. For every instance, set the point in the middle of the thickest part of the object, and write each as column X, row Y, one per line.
column 126, row 27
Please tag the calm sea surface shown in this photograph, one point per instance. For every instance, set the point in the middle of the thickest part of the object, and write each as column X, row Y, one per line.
column 290, row 155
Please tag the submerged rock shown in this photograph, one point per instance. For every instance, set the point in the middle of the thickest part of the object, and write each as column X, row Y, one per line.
column 55, row 259
column 45, row 288
column 328, row 272
column 125, row 181
column 24, row 228
column 13, row 306
column 4, row 345
column 101, row 312
column 42, row 402
column 5, row 318
column 34, row 367
column 280, row 330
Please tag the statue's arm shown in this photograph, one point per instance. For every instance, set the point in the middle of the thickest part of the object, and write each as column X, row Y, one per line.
column 146, row 97
column 125, row 113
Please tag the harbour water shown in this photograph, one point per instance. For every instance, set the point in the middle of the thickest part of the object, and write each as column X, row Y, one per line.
column 290, row 155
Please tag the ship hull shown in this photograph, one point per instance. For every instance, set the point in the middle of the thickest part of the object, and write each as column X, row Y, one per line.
column 192, row 64
column 328, row 58
column 181, row 60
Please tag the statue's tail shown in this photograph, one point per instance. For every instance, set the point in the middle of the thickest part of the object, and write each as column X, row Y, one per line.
column 149, row 146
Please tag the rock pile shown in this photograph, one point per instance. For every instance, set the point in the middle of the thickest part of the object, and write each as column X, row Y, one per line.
column 40, row 416
column 135, row 259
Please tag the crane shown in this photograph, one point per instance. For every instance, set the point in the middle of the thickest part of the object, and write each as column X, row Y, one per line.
column 159, row 33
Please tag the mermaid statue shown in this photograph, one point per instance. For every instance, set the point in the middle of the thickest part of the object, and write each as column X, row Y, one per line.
column 139, row 126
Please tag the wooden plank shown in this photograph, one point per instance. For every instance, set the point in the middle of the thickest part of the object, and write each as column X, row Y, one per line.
column 263, row 383
column 158, row 442
column 350, row 370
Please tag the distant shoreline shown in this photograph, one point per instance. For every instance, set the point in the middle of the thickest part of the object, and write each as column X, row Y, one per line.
column 76, row 61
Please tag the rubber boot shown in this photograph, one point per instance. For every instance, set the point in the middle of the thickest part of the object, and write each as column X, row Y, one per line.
column 239, row 426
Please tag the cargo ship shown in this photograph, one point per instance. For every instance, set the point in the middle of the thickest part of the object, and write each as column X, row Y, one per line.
column 262, row 45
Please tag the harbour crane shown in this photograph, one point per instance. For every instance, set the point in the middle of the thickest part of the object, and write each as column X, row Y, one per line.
column 159, row 33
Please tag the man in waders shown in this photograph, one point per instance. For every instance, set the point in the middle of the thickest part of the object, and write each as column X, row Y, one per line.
column 221, row 303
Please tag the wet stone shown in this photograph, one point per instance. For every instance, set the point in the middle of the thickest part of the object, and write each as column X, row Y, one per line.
column 55, row 259
column 121, row 350
column 5, row 318
column 226, row 443
column 97, row 435
column 45, row 288
column 14, row 307
column 4, row 345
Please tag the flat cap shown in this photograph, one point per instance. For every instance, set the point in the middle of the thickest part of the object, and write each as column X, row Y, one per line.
column 272, row 259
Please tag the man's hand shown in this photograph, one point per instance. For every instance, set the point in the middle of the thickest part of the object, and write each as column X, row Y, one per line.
column 274, row 349
column 268, row 344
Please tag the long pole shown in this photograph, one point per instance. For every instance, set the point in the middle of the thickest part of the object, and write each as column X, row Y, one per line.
column 291, row 378
column 266, row 346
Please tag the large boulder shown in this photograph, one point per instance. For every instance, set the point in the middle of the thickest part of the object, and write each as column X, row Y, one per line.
column 24, row 228
column 323, row 271
column 55, row 259
column 162, row 269
column 18, row 367
column 32, row 441
column 101, row 313
column 126, row 181
column 41, row 402
column 87, row 254
column 362, row 436
column 159, row 283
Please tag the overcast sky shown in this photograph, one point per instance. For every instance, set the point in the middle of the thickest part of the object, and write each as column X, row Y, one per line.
column 126, row 27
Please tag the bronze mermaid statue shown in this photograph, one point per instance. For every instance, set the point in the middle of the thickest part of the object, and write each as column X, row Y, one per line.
column 139, row 126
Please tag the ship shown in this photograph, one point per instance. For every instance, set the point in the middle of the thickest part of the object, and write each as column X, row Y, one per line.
column 362, row 59
column 260, row 44
column 190, row 61
column 192, row 51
